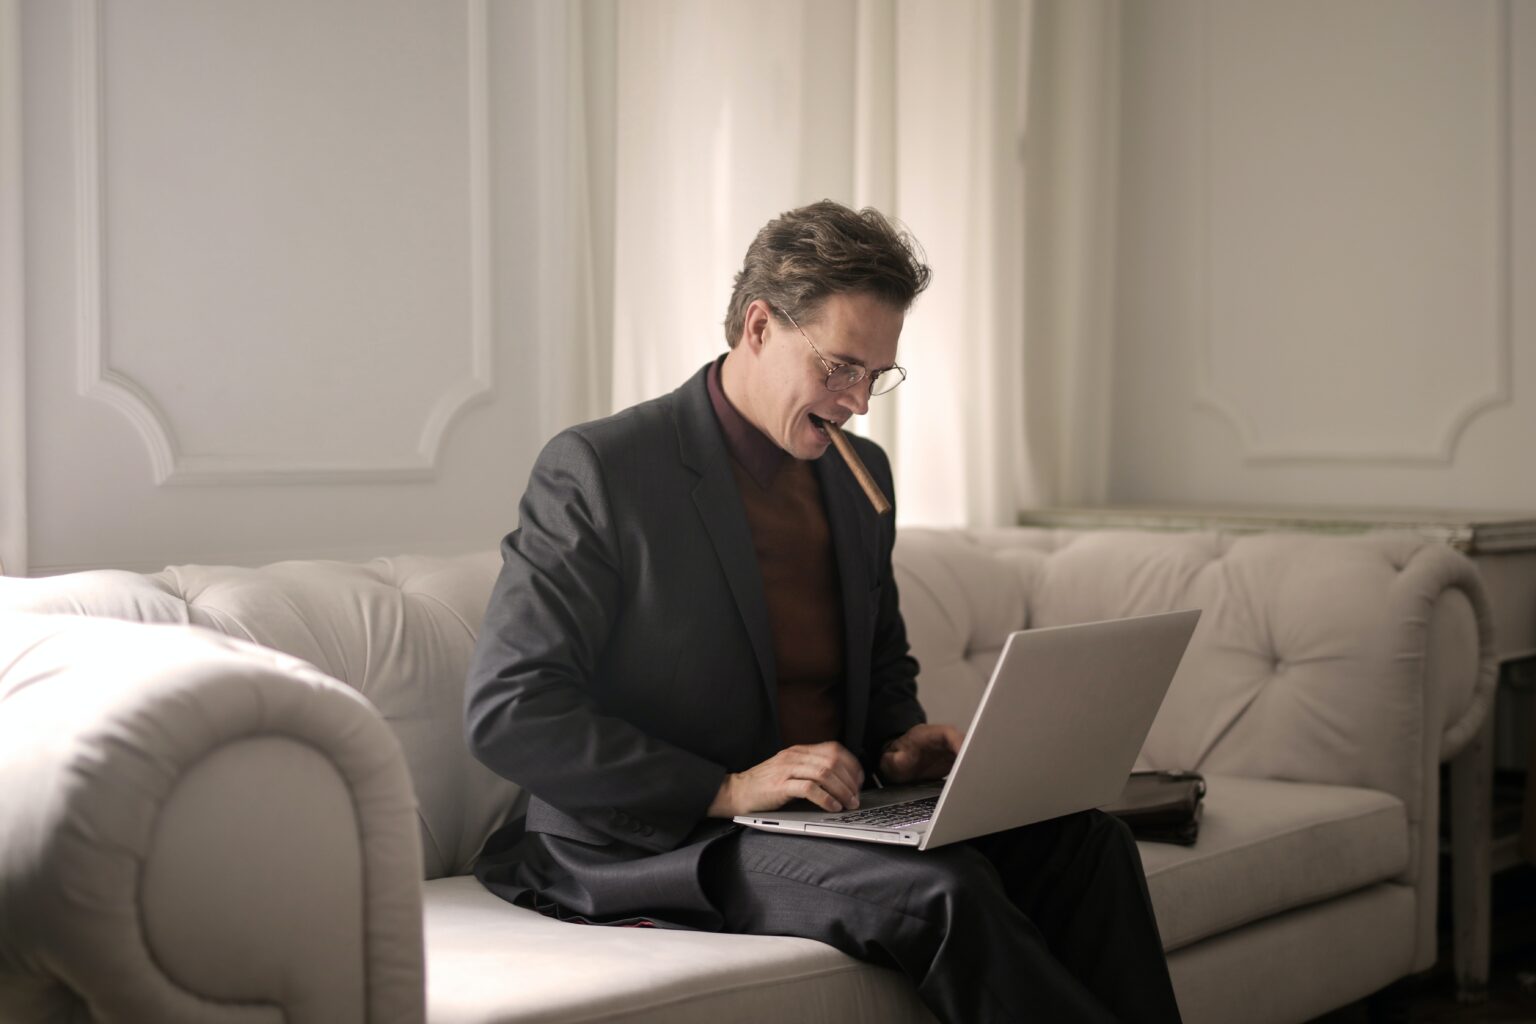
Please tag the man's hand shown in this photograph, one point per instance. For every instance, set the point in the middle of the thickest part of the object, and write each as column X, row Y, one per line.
column 922, row 752
column 826, row 774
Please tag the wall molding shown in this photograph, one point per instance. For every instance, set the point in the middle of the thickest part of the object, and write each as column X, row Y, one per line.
column 97, row 380
column 1255, row 449
column 13, row 364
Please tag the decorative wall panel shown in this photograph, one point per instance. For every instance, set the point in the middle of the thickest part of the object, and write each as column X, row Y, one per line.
column 283, row 233
column 1357, row 239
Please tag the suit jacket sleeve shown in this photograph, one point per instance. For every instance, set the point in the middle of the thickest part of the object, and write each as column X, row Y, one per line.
column 530, row 712
column 893, row 703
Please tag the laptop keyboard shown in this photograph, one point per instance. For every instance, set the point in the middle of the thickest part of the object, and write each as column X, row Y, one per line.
column 911, row 812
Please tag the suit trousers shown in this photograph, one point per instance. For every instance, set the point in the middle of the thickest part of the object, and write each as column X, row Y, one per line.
column 1049, row 922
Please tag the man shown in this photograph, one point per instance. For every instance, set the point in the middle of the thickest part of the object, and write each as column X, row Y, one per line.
column 697, row 619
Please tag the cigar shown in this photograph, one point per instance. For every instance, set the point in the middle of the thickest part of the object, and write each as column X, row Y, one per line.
column 856, row 465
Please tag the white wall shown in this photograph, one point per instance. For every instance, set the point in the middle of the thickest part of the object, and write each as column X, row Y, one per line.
column 13, row 423
column 286, row 279
column 280, row 276
column 1328, row 222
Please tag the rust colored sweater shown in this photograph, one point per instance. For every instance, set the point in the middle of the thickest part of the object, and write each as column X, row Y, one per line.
column 793, row 543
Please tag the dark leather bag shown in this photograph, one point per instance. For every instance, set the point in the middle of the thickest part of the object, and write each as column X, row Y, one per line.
column 1162, row 807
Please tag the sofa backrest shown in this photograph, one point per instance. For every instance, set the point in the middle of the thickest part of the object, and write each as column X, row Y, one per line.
column 399, row 630
column 1309, row 661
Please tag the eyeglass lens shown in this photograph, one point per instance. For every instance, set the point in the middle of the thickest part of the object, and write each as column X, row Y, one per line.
column 888, row 380
column 844, row 377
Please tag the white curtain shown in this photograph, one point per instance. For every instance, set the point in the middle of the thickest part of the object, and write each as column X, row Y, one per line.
column 1070, row 215
column 985, row 126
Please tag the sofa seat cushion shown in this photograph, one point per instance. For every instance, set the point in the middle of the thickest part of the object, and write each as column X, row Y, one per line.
column 1267, row 846
column 490, row 962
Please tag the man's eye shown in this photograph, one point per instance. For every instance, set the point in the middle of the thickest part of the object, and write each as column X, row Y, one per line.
column 847, row 376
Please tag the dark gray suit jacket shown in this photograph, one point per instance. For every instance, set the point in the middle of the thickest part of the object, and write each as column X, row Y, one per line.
column 625, row 663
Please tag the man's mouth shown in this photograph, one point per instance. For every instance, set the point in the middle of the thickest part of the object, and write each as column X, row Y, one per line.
column 820, row 425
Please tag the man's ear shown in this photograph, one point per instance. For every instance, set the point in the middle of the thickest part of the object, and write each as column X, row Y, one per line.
column 755, row 324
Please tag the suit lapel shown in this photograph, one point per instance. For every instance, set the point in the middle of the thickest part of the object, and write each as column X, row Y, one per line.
column 855, row 537
column 702, row 448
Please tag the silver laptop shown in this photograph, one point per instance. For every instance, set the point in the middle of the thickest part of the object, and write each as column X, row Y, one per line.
column 1057, row 731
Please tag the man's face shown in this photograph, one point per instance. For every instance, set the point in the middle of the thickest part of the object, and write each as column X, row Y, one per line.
column 790, row 395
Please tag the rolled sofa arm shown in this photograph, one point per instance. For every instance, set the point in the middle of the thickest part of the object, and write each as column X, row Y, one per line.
column 193, row 828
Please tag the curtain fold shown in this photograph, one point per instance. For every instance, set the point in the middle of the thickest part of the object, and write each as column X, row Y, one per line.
column 727, row 114
column 960, row 185
column 575, row 85
column 1071, row 204
column 986, row 126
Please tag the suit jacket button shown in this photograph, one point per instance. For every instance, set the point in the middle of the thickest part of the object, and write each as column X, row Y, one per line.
column 646, row 830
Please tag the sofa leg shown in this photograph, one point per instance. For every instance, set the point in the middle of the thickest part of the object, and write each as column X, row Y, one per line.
column 1471, row 863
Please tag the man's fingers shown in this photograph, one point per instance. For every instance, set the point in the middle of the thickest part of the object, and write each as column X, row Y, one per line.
column 833, row 767
column 896, row 764
column 808, row 790
column 826, row 774
column 925, row 752
column 843, row 759
column 832, row 779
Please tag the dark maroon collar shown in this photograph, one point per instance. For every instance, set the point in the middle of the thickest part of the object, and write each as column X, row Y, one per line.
column 748, row 445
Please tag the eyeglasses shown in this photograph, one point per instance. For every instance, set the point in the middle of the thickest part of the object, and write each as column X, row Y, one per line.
column 842, row 376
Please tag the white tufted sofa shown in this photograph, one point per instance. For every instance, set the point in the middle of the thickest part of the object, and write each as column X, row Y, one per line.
column 197, row 828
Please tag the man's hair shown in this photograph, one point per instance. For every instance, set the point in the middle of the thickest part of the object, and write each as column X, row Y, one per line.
column 802, row 257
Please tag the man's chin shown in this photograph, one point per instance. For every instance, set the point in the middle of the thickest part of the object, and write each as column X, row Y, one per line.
column 810, row 452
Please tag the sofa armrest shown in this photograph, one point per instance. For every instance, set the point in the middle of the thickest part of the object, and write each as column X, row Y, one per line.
column 193, row 828
column 1462, row 658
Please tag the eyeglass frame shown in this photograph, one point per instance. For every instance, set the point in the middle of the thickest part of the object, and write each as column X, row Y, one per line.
column 864, row 372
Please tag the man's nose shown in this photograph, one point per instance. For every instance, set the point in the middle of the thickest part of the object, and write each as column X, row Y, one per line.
column 856, row 398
